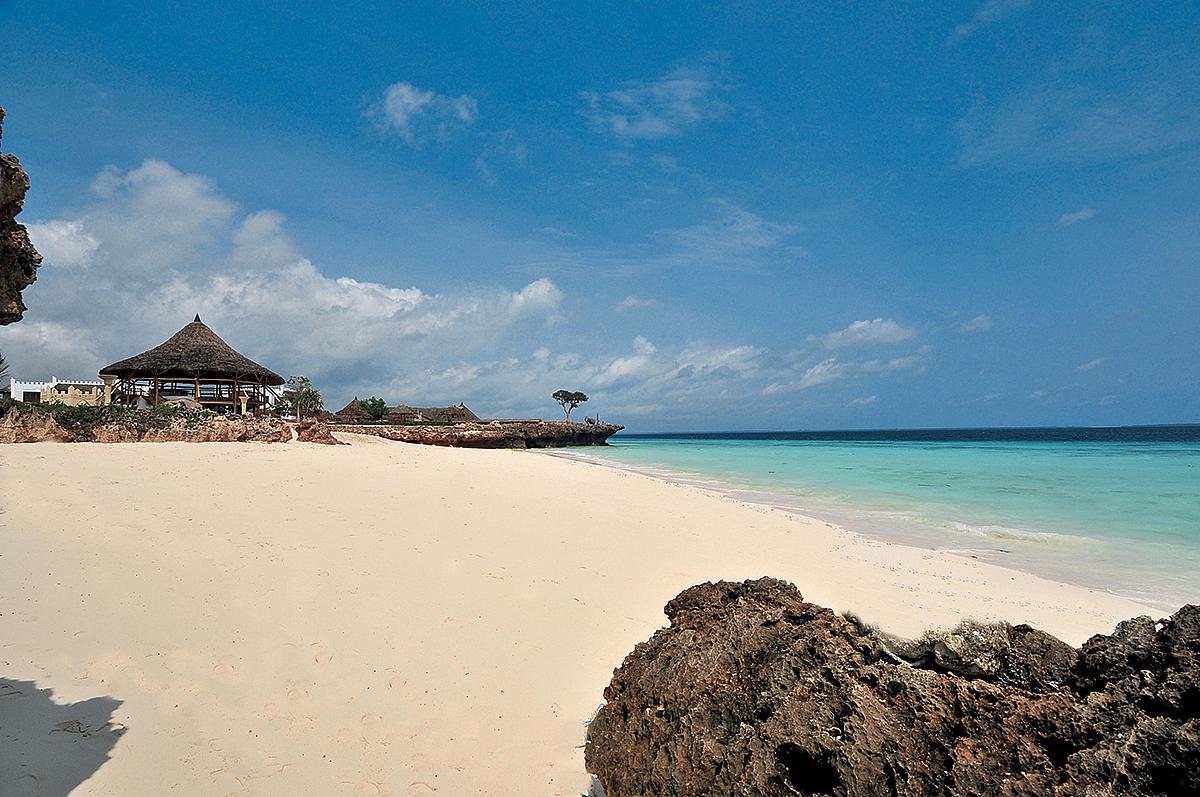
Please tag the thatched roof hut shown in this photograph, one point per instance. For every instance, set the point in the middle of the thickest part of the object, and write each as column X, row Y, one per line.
column 455, row 413
column 194, row 362
column 352, row 412
column 194, row 351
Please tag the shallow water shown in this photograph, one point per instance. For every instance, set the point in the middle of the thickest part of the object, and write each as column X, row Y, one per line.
column 1116, row 509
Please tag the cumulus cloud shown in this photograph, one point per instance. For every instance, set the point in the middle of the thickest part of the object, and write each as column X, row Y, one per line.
column 1067, row 219
column 679, row 381
column 989, row 12
column 155, row 246
column 66, row 243
column 661, row 108
column 163, row 245
column 980, row 323
column 875, row 331
column 416, row 115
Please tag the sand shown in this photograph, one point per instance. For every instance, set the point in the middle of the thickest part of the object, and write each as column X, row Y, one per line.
column 384, row 619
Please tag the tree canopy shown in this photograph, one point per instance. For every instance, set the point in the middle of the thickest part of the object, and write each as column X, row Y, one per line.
column 569, row 399
column 300, row 397
column 375, row 408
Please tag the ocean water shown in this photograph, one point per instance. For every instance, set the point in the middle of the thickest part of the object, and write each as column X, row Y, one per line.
column 1115, row 509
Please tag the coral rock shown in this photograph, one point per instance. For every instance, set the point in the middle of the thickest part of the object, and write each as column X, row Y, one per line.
column 493, row 434
column 18, row 259
column 752, row 691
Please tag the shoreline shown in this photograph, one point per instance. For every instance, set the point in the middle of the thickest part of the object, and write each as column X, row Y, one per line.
column 917, row 533
column 382, row 618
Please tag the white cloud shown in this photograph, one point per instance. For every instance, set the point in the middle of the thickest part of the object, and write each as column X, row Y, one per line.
column 245, row 277
column 823, row 373
column 865, row 401
column 1058, row 121
column 499, row 147
column 63, row 243
column 908, row 362
column 989, row 12
column 1067, row 219
column 634, row 303
column 1090, row 364
column 417, row 115
column 500, row 349
column 662, row 108
column 875, row 331
column 980, row 323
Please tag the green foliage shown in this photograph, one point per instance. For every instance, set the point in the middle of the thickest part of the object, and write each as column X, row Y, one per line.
column 301, row 397
column 166, row 410
column 376, row 408
column 569, row 399
column 77, row 418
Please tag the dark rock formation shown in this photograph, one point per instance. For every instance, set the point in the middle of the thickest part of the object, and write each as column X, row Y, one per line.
column 751, row 691
column 18, row 259
column 494, row 434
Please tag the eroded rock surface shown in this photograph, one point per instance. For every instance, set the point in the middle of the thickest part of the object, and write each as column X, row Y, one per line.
column 313, row 431
column 492, row 434
column 752, row 691
column 29, row 424
column 18, row 259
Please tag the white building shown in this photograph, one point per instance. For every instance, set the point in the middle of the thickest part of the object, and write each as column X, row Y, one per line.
column 72, row 391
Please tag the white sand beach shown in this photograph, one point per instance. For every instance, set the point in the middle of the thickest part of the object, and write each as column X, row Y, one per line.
column 382, row 618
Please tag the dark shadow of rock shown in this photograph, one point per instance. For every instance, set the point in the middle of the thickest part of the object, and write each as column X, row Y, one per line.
column 46, row 748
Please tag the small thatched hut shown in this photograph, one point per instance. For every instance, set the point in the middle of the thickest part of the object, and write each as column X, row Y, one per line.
column 352, row 413
column 455, row 413
column 194, row 363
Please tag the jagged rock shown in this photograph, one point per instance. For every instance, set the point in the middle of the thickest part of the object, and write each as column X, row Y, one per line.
column 312, row 431
column 494, row 434
column 29, row 427
column 751, row 691
column 18, row 259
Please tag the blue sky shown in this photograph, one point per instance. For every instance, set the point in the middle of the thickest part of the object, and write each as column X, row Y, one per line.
column 706, row 216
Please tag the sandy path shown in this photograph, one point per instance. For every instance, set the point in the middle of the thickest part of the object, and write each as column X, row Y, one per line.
column 384, row 619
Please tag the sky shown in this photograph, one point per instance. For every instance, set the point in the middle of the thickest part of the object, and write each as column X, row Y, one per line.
column 704, row 216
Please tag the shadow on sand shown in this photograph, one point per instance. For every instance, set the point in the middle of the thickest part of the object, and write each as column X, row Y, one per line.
column 48, row 748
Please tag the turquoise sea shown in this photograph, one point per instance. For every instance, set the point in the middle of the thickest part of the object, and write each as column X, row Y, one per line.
column 1116, row 509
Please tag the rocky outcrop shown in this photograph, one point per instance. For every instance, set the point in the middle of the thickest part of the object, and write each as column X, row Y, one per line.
column 31, row 427
column 753, row 692
column 34, row 424
column 18, row 259
column 213, row 429
column 312, row 431
column 532, row 434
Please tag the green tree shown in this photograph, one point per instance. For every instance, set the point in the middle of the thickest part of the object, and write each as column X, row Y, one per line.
column 569, row 399
column 376, row 408
column 301, row 397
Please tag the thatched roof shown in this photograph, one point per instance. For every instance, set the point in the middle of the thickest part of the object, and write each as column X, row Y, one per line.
column 455, row 413
column 352, row 412
column 194, row 352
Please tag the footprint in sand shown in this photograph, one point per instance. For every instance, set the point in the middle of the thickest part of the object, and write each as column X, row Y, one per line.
column 24, row 786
